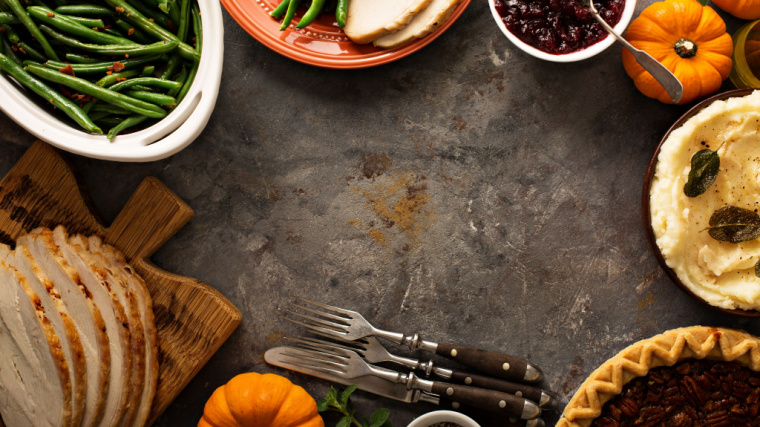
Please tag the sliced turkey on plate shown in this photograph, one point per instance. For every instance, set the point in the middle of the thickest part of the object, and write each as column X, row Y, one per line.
column 368, row 20
column 424, row 23
column 18, row 407
column 36, row 355
column 62, row 323
column 113, row 261
column 95, row 276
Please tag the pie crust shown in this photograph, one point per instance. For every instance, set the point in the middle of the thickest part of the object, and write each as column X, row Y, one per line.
column 666, row 349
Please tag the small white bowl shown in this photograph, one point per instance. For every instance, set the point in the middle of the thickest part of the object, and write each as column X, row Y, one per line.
column 170, row 135
column 435, row 417
column 625, row 19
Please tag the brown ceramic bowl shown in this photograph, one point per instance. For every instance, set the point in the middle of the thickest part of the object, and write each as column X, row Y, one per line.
column 645, row 199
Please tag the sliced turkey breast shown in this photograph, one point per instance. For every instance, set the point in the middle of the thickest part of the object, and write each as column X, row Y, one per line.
column 37, row 356
column 368, row 20
column 81, row 292
column 424, row 23
column 115, row 264
column 64, row 327
column 16, row 404
column 95, row 275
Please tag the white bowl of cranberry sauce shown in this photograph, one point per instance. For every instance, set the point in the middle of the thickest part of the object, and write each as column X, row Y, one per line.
column 560, row 30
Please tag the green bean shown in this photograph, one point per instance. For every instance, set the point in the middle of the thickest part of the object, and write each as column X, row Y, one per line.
column 171, row 65
column 81, row 59
column 25, row 19
column 153, row 98
column 61, row 102
column 60, row 2
column 88, row 22
column 103, row 107
column 289, row 14
column 10, row 33
column 8, row 50
column 114, row 78
column 85, row 87
column 103, row 67
column 188, row 83
column 146, row 81
column 98, row 115
column 197, row 28
column 312, row 14
column 341, row 12
column 169, row 7
column 110, row 121
column 132, row 15
column 127, row 123
column 153, row 12
column 181, row 78
column 280, row 9
column 31, row 52
column 84, row 9
column 184, row 21
column 142, row 88
column 67, row 25
column 112, row 49
column 128, row 28
column 148, row 71
column 88, row 105
column 8, row 18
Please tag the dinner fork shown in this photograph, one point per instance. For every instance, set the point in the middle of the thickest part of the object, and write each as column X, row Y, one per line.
column 348, row 364
column 350, row 325
column 374, row 352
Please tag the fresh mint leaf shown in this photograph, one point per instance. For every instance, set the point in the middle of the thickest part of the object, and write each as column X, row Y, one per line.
column 345, row 395
column 735, row 225
column 379, row 417
column 705, row 165
column 323, row 405
column 344, row 422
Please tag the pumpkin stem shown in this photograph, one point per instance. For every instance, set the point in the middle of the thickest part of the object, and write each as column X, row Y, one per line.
column 685, row 48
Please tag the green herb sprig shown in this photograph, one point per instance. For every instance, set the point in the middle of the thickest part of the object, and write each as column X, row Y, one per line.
column 705, row 165
column 340, row 401
column 735, row 225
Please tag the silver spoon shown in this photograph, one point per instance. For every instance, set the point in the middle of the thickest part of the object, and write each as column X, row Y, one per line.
column 669, row 82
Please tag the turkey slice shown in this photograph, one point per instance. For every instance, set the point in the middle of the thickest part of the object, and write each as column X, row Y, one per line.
column 93, row 274
column 64, row 327
column 37, row 356
column 16, row 404
column 424, row 23
column 368, row 20
column 117, row 266
column 83, row 293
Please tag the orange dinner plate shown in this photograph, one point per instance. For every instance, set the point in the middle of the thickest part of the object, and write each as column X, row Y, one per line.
column 322, row 43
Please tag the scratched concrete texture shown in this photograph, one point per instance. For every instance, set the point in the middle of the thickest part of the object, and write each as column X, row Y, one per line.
column 468, row 192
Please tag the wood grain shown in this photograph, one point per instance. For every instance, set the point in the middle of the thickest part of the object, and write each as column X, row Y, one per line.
column 192, row 318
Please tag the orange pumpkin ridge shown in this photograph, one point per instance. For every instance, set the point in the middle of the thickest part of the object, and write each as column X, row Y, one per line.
column 743, row 9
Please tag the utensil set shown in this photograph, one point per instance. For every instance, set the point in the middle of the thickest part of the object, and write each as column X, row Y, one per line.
column 352, row 352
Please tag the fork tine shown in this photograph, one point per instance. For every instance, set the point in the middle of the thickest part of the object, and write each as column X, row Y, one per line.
column 318, row 356
column 319, row 365
column 329, row 307
column 329, row 344
column 319, row 321
column 322, row 313
column 326, row 350
column 359, row 342
column 316, row 328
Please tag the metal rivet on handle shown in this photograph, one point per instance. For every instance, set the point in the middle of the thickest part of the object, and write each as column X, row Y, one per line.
column 502, row 404
column 455, row 405
column 468, row 380
column 453, row 352
column 518, row 394
column 505, row 366
column 449, row 391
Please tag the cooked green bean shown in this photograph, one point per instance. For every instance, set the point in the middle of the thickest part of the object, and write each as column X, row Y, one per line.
column 188, row 83
column 109, row 121
column 25, row 19
column 64, row 104
column 112, row 49
column 181, row 79
column 153, row 98
column 84, row 9
column 67, row 25
column 31, row 52
column 312, row 14
column 142, row 88
column 341, row 12
column 184, row 21
column 136, row 34
column 98, row 115
column 81, row 59
column 289, row 14
column 114, row 78
column 127, row 123
column 153, row 12
column 8, row 50
column 171, row 65
column 172, row 10
column 103, row 107
column 8, row 18
column 146, row 81
column 88, row 22
column 132, row 15
column 10, row 33
column 280, row 9
column 103, row 67
column 197, row 28
column 85, row 87
column 60, row 2
column 148, row 71
column 88, row 105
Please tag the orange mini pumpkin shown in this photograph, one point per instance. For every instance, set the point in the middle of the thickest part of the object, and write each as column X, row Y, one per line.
column 744, row 9
column 687, row 38
column 255, row 400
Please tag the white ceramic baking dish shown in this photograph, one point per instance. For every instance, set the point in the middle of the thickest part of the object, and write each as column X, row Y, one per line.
column 173, row 133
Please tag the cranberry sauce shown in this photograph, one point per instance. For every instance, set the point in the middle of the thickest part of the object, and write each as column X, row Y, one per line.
column 558, row 26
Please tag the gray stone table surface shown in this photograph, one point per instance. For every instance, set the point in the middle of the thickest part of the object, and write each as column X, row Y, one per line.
column 468, row 192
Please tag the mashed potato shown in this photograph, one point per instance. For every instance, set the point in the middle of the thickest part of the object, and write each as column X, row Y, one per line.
column 721, row 273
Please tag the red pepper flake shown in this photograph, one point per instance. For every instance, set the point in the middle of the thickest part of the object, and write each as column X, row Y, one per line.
column 118, row 66
column 109, row 72
column 110, row 68
column 67, row 70
column 127, row 15
column 119, row 9
column 126, row 55
column 121, row 79
column 152, row 20
column 51, row 14
column 2, row 29
column 130, row 31
column 20, row 49
column 14, row 48
column 65, row 91
column 95, row 28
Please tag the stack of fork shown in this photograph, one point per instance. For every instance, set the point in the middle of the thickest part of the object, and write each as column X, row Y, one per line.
column 347, row 352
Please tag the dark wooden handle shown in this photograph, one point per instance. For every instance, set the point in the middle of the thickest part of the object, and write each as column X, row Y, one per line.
column 494, row 402
column 518, row 389
column 490, row 362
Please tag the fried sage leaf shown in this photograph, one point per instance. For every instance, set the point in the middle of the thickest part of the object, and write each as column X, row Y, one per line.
column 732, row 224
column 705, row 165
column 757, row 269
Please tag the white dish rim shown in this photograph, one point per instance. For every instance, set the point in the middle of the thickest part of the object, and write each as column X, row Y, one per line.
column 442, row 416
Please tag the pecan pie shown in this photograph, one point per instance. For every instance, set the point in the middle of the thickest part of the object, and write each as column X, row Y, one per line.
column 696, row 376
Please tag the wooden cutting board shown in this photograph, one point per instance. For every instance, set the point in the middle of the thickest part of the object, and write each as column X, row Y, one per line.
column 192, row 318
